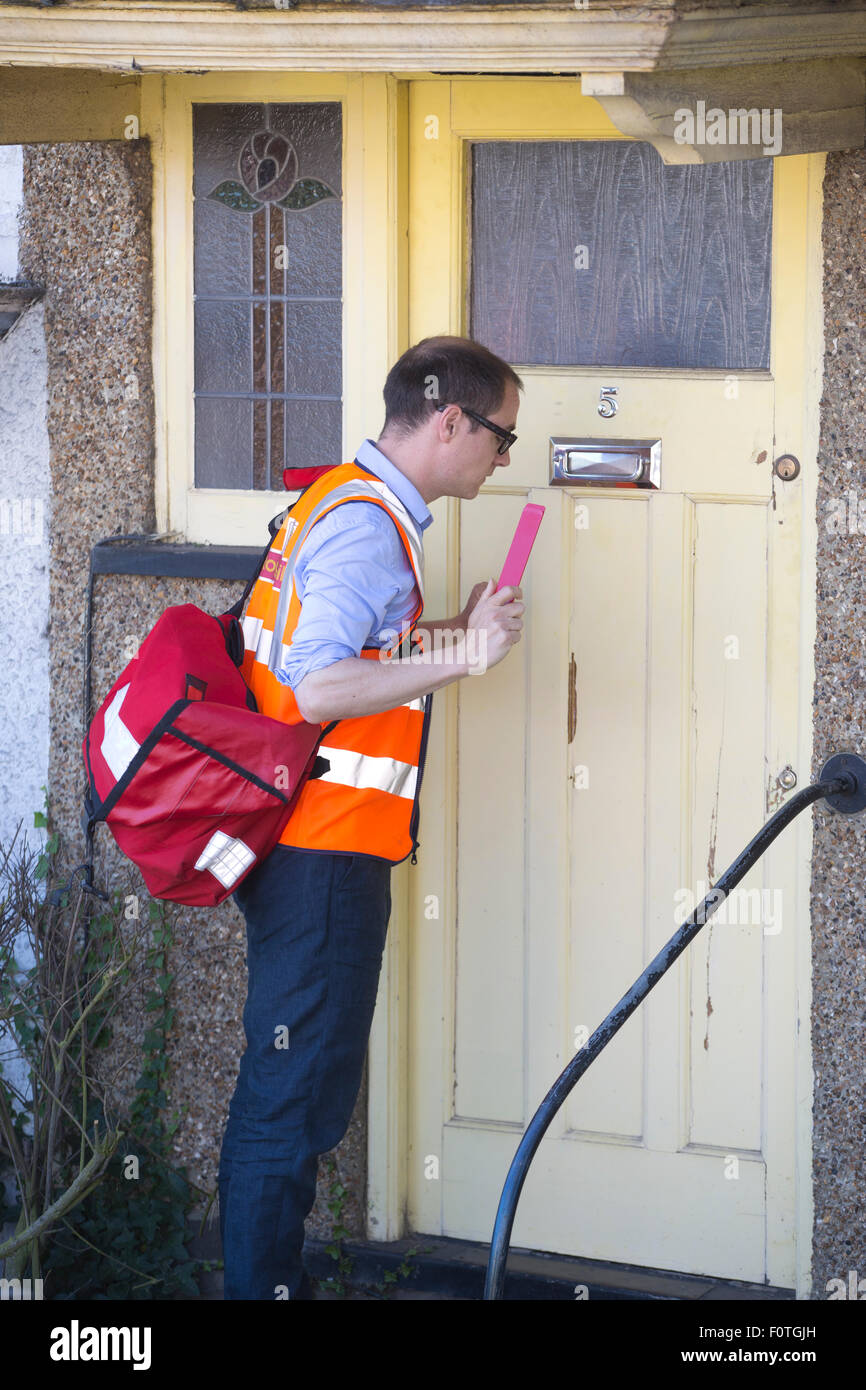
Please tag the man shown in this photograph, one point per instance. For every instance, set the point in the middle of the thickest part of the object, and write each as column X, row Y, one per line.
column 344, row 575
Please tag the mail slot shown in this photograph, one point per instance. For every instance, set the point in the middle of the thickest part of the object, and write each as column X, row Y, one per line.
column 605, row 462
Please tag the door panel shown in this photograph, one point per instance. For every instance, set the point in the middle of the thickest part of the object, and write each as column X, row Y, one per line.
column 491, row 762
column 609, row 641
column 563, row 857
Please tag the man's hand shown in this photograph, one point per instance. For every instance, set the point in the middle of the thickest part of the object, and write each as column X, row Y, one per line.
column 499, row 614
column 471, row 602
column 462, row 619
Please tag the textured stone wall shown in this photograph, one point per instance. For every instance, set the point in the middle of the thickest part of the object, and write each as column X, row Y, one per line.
column 86, row 236
column 839, row 857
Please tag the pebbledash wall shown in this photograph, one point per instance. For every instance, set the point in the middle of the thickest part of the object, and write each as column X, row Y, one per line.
column 839, row 720
column 85, row 235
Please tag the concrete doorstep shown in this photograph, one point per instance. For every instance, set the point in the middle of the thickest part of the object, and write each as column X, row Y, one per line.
column 443, row 1268
column 455, row 1270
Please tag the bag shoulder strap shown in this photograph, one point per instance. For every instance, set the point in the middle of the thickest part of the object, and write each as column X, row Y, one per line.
column 273, row 526
column 301, row 478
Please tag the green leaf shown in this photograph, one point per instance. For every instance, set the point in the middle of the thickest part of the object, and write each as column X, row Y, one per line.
column 176, row 1183
column 235, row 196
column 305, row 193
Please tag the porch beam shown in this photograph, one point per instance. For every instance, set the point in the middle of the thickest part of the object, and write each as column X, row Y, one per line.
column 143, row 36
column 820, row 107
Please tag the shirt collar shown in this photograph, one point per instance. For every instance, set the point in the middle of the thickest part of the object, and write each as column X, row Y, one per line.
column 371, row 457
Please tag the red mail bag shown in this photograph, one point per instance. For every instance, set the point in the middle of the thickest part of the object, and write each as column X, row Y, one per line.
column 194, row 784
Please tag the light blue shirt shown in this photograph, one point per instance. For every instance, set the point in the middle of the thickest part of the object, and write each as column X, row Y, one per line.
column 353, row 576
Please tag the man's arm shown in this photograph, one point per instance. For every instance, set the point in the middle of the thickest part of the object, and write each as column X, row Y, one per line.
column 457, row 624
column 357, row 686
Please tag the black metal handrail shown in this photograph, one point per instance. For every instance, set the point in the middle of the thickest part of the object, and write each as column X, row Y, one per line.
column 843, row 785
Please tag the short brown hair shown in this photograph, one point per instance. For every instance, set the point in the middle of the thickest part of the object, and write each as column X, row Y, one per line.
column 444, row 371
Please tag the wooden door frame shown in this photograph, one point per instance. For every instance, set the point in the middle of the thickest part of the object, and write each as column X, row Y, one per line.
column 373, row 254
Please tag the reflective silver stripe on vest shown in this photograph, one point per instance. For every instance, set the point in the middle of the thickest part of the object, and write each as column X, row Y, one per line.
column 251, row 628
column 257, row 639
column 351, row 489
column 409, row 525
column 359, row 770
column 263, row 646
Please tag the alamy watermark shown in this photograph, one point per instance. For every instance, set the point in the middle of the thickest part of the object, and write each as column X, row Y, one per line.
column 449, row 645
column 23, row 518
column 855, row 1288
column 737, row 126
column 845, row 517
column 743, row 906
column 23, row 1290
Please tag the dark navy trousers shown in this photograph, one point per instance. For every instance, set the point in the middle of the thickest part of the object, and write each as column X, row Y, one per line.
column 316, row 925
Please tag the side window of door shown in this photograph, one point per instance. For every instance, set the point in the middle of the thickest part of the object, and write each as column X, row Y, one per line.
column 268, row 291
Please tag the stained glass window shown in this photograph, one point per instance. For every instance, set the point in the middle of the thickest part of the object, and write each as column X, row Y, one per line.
column 268, row 290
column 596, row 253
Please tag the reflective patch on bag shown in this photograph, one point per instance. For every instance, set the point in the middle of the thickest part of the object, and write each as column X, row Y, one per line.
column 118, row 747
column 225, row 858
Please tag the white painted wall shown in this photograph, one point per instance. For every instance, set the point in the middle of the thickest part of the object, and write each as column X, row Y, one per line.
column 24, row 606
column 24, row 522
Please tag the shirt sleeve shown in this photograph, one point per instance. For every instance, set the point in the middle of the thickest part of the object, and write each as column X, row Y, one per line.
column 351, row 568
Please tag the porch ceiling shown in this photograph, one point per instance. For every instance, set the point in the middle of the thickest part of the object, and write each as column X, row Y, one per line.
column 618, row 36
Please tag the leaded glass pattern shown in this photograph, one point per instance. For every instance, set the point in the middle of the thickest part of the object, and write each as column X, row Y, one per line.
column 596, row 253
column 267, row 276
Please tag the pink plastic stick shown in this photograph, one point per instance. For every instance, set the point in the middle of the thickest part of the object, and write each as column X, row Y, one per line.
column 521, row 545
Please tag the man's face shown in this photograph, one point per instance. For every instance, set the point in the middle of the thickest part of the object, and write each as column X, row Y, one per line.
column 468, row 458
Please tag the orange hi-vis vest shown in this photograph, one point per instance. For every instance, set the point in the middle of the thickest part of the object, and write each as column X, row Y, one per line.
column 367, row 802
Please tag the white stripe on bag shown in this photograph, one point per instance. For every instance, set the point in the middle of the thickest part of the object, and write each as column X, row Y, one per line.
column 118, row 746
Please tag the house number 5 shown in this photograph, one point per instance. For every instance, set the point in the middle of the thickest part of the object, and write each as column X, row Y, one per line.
column 607, row 406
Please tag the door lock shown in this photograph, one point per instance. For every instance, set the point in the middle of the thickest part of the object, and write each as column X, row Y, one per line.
column 786, row 467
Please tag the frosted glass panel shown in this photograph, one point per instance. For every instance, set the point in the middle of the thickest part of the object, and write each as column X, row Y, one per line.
column 313, row 433
column 267, row 221
column 595, row 253
column 223, row 434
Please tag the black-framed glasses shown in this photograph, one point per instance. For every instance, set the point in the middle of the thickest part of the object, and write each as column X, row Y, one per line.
column 508, row 439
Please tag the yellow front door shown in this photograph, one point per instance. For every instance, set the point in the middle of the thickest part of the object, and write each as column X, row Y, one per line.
column 581, row 797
